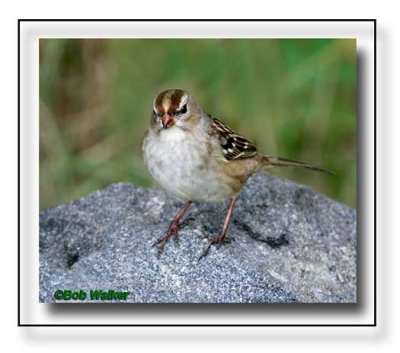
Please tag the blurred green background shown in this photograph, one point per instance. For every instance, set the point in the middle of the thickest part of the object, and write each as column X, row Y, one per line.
column 293, row 98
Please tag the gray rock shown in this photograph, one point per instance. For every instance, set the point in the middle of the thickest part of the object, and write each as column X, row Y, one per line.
column 289, row 244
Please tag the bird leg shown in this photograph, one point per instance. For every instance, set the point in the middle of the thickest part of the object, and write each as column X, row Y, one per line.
column 221, row 237
column 173, row 228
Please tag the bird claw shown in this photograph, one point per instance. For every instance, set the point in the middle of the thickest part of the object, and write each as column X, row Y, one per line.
column 158, row 241
column 205, row 250
column 176, row 238
column 219, row 240
column 171, row 231
column 186, row 222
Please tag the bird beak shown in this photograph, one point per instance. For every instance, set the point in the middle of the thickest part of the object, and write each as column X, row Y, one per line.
column 167, row 121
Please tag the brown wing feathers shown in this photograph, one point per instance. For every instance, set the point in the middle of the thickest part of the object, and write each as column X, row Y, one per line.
column 236, row 147
column 233, row 145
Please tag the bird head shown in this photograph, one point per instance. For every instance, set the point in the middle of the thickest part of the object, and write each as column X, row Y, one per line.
column 173, row 107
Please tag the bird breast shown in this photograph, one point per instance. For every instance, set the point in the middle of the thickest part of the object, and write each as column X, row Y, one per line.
column 180, row 162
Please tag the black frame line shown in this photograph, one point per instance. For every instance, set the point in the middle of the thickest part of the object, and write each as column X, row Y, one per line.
column 19, row 324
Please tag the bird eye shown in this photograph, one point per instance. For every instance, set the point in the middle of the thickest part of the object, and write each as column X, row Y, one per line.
column 183, row 109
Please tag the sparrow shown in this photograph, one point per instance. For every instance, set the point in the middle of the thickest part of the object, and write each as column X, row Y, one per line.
column 197, row 157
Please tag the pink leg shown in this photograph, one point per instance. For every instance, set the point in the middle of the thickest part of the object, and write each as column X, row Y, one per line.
column 219, row 238
column 173, row 228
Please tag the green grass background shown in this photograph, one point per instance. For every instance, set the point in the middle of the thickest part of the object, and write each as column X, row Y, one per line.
column 293, row 98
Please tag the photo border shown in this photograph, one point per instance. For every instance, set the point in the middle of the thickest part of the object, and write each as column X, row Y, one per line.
column 19, row 324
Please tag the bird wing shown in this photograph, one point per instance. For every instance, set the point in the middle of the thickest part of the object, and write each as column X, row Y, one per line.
column 233, row 145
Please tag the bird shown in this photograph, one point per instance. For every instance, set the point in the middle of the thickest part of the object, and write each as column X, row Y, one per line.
column 198, row 158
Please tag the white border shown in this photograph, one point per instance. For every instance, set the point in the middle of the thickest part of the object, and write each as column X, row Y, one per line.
column 34, row 313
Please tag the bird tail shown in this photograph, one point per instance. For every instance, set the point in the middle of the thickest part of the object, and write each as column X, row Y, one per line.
column 270, row 161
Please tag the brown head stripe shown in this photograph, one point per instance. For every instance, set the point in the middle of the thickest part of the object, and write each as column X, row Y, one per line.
column 170, row 99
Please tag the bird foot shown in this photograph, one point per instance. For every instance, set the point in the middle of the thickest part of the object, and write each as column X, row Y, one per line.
column 172, row 230
column 216, row 240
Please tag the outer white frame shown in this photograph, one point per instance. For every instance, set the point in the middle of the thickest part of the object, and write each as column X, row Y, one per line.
column 34, row 313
